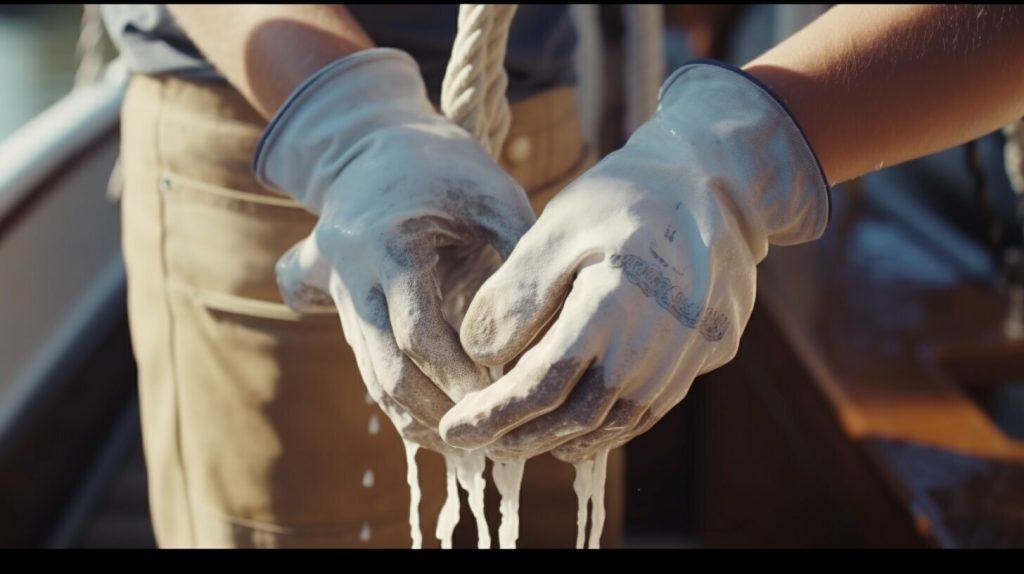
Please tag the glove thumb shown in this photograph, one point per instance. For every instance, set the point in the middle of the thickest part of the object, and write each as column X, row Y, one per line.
column 302, row 277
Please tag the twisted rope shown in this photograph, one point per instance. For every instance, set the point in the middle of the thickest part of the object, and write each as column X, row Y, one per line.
column 475, row 81
column 473, row 95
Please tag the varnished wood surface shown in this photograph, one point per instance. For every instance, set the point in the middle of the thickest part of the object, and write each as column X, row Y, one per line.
column 891, row 333
column 868, row 308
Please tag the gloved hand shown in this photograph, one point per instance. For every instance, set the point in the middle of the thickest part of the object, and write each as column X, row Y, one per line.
column 644, row 270
column 414, row 215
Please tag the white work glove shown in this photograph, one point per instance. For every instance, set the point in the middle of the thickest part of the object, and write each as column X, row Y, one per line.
column 643, row 269
column 414, row 215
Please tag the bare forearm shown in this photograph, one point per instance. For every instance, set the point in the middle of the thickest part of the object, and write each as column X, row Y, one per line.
column 266, row 51
column 874, row 86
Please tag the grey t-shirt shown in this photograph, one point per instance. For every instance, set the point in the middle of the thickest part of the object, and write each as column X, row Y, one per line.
column 540, row 47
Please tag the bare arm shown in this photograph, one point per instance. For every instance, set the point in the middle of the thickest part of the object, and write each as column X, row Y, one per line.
column 266, row 50
column 874, row 86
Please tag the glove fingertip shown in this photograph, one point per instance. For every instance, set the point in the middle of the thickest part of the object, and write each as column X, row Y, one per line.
column 484, row 338
column 506, row 315
column 298, row 282
column 457, row 431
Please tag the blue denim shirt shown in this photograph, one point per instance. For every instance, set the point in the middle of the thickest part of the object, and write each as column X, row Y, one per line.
column 541, row 42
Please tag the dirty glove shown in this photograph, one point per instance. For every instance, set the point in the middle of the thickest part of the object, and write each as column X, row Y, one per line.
column 414, row 215
column 643, row 270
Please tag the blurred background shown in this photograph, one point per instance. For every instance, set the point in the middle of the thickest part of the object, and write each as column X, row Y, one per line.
column 38, row 67
column 877, row 399
column 71, row 472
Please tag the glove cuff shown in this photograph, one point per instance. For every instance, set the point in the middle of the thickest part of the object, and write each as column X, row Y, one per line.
column 784, row 178
column 315, row 132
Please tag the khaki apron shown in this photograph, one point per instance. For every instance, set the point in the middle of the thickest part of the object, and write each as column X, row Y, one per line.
column 255, row 424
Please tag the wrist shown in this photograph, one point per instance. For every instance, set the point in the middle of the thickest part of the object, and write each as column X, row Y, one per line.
column 267, row 50
column 289, row 69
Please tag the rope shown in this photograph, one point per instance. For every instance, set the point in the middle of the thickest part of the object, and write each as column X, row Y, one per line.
column 475, row 81
column 89, row 49
column 473, row 92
